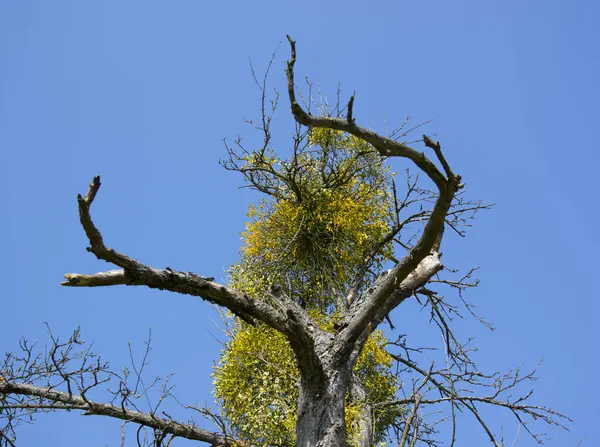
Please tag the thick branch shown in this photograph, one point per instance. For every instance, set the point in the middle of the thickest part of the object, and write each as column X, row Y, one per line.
column 438, row 152
column 387, row 290
column 68, row 401
column 109, row 278
column 275, row 310
column 375, row 315
column 380, row 300
column 382, row 293
column 386, row 146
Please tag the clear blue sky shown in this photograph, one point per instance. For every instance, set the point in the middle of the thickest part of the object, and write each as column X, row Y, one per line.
column 142, row 93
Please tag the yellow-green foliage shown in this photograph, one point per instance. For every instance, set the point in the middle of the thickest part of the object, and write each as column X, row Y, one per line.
column 310, row 237
column 256, row 384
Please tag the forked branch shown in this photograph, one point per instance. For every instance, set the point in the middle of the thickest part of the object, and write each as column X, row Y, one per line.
column 387, row 147
column 282, row 314
column 68, row 373
column 407, row 272
column 461, row 389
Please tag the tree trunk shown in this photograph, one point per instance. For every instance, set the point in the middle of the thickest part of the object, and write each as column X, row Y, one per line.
column 321, row 410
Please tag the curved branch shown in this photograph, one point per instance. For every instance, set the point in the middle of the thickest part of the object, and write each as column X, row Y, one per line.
column 364, row 311
column 373, row 313
column 275, row 309
column 385, row 146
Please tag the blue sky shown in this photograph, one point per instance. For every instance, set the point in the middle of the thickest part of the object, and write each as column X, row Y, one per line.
column 143, row 92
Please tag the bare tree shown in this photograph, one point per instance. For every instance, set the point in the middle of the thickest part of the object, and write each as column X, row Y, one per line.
column 68, row 374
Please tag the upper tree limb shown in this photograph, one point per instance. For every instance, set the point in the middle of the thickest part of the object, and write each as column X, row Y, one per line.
column 422, row 261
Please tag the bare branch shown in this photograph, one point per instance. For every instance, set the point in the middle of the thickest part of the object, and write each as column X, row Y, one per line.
column 64, row 401
column 409, row 421
column 108, row 278
column 366, row 309
column 278, row 312
column 63, row 379
column 386, row 147
column 438, row 152
column 136, row 273
column 445, row 383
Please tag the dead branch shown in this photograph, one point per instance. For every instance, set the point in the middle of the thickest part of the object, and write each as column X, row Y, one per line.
column 387, row 147
column 460, row 389
column 284, row 315
column 64, row 378
column 63, row 401
column 385, row 293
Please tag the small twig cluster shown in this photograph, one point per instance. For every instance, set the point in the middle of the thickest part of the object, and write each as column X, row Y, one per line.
column 69, row 376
